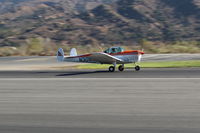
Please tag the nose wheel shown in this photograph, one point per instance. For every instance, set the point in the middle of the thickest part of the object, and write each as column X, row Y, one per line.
column 137, row 68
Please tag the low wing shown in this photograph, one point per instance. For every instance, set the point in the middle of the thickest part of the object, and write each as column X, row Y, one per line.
column 104, row 58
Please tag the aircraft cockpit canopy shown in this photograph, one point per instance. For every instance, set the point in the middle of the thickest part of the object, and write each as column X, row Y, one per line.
column 114, row 50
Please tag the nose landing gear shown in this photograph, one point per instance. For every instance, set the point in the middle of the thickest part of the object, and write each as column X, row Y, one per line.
column 137, row 68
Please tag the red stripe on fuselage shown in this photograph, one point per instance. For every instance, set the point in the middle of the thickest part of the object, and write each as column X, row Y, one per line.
column 130, row 52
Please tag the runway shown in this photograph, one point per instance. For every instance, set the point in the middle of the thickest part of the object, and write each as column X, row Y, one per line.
column 100, row 105
column 129, row 73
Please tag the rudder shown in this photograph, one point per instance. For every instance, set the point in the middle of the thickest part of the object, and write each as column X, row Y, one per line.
column 60, row 55
column 73, row 52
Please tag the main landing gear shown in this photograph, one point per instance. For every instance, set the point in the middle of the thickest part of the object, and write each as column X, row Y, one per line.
column 111, row 69
column 121, row 68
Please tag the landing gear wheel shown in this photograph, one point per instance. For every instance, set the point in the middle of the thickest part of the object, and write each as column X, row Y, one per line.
column 137, row 68
column 111, row 69
column 121, row 68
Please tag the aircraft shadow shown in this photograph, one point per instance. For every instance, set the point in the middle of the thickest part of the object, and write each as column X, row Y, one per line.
column 80, row 73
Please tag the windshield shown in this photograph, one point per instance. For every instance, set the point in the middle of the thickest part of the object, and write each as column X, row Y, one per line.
column 114, row 50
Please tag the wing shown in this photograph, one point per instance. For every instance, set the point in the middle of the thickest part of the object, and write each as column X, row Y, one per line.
column 104, row 58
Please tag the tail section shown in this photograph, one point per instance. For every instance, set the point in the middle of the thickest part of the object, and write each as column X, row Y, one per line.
column 73, row 52
column 60, row 55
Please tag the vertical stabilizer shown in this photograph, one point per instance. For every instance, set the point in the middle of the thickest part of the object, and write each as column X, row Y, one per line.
column 73, row 52
column 60, row 55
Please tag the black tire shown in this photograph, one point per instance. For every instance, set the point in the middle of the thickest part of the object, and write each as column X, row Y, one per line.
column 111, row 69
column 121, row 68
column 137, row 68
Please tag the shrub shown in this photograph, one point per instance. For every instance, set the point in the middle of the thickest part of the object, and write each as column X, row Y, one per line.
column 34, row 46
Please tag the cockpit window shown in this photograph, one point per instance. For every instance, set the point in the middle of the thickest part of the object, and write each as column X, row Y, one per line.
column 114, row 50
column 106, row 51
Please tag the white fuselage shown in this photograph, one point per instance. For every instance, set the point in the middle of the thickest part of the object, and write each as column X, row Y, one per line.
column 87, row 59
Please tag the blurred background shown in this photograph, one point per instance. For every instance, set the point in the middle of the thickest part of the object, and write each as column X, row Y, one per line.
column 39, row 27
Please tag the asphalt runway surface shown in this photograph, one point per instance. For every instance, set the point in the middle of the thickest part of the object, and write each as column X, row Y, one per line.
column 100, row 105
column 128, row 73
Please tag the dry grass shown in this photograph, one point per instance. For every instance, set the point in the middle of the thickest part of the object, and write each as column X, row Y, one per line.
column 44, row 47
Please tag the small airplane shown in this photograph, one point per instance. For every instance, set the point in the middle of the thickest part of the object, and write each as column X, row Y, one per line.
column 113, row 55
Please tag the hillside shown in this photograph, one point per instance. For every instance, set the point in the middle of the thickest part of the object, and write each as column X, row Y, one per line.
column 168, row 20
column 90, row 22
